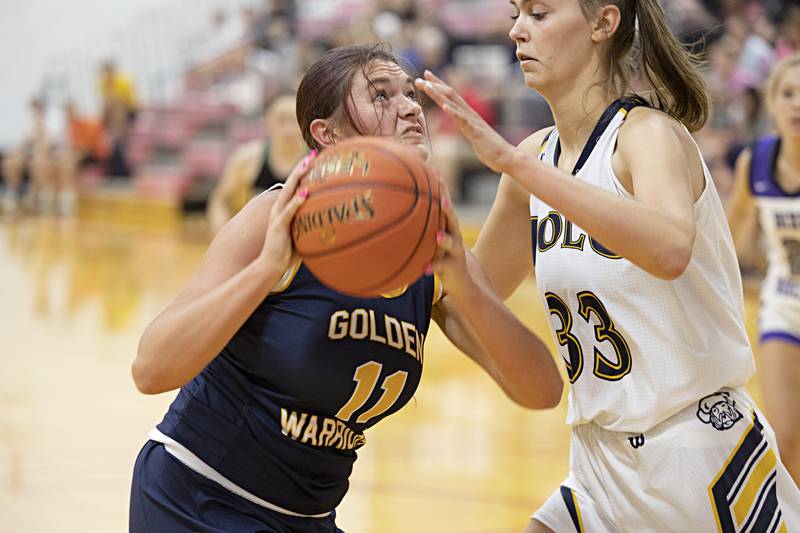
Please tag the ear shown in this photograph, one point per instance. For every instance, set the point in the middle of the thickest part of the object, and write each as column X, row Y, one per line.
column 323, row 131
column 606, row 23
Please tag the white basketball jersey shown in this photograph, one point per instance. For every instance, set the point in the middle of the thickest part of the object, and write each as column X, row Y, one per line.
column 638, row 348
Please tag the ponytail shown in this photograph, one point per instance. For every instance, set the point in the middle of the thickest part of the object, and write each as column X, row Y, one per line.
column 678, row 87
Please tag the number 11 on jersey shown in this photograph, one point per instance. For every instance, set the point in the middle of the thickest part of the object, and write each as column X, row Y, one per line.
column 366, row 378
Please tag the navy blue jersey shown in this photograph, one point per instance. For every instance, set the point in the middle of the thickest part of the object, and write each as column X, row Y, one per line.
column 281, row 410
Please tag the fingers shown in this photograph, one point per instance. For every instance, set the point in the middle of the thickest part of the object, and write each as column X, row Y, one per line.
column 286, row 214
column 297, row 174
column 449, row 243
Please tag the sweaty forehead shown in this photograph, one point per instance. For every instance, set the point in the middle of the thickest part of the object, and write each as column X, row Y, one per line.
column 387, row 71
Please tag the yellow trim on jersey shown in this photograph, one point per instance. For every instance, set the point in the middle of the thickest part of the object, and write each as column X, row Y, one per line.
column 395, row 293
column 287, row 277
column 577, row 511
column 782, row 528
column 755, row 483
column 438, row 289
column 745, row 433
column 543, row 146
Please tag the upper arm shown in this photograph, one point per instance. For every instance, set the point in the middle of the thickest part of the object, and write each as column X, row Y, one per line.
column 741, row 208
column 659, row 163
column 236, row 171
column 741, row 199
column 504, row 245
column 236, row 245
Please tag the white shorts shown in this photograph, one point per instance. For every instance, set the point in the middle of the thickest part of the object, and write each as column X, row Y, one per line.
column 779, row 315
column 713, row 466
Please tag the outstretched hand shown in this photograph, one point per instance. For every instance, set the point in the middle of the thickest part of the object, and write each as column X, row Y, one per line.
column 490, row 147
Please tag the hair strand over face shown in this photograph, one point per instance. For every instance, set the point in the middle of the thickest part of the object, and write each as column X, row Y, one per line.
column 327, row 85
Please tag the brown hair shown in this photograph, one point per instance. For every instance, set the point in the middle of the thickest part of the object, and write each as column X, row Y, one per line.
column 650, row 48
column 327, row 85
column 780, row 68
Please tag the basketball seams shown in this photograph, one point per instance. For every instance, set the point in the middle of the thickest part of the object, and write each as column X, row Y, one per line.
column 402, row 262
column 404, row 215
column 419, row 239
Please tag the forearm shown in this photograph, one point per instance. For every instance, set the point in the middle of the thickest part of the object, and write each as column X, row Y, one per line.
column 648, row 237
column 187, row 335
column 512, row 354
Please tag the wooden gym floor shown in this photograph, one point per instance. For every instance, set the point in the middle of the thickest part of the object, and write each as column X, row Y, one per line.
column 76, row 294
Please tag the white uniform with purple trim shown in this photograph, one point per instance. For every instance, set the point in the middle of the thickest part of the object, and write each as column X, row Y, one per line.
column 779, row 213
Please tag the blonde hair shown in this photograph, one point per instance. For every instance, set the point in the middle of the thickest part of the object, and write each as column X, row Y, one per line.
column 780, row 68
column 650, row 48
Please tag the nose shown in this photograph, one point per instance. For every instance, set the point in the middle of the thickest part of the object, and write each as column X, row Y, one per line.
column 517, row 33
column 410, row 108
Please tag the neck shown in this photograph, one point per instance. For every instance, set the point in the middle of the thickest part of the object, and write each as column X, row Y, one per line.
column 283, row 147
column 576, row 108
column 576, row 115
column 790, row 150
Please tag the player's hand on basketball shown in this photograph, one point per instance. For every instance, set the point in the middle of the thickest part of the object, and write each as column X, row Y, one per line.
column 450, row 262
column 278, row 249
column 490, row 147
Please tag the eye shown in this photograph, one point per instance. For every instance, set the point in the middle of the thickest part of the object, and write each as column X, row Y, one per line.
column 515, row 16
column 412, row 95
column 380, row 96
column 538, row 16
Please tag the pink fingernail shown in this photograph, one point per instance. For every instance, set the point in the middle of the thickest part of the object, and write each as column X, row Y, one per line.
column 314, row 153
column 303, row 192
column 428, row 269
column 446, row 202
column 439, row 236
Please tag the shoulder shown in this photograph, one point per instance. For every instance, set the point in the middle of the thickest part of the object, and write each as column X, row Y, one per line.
column 744, row 158
column 643, row 124
column 532, row 143
column 648, row 133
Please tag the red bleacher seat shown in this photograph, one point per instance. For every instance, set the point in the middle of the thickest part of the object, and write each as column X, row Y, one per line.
column 174, row 131
column 205, row 158
column 165, row 182
column 242, row 130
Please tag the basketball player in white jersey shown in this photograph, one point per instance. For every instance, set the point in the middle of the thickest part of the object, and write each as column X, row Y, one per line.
column 768, row 187
column 634, row 260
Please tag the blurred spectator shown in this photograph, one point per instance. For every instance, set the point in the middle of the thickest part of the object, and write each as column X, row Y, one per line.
column 120, row 105
column 118, row 94
column 36, row 158
column 259, row 164
column 788, row 40
column 88, row 147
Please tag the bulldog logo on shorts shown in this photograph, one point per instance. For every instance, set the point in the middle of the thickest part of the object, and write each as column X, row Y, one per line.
column 718, row 410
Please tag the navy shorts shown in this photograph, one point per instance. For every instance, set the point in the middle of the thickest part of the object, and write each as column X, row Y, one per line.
column 167, row 496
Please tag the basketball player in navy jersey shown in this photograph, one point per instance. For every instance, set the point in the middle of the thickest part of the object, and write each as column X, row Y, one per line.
column 279, row 375
column 768, row 189
column 617, row 213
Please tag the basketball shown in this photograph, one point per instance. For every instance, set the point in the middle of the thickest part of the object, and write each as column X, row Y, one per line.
column 368, row 226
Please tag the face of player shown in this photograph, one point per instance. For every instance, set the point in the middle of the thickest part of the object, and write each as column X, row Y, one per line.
column 785, row 102
column 553, row 41
column 282, row 121
column 385, row 104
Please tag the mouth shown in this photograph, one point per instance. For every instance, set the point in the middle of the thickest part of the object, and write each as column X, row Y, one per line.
column 414, row 131
column 524, row 57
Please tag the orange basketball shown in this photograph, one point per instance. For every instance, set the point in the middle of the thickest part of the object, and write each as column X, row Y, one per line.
column 368, row 226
